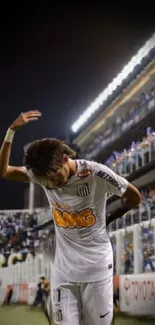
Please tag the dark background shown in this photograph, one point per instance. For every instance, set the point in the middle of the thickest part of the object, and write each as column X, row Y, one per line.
column 58, row 59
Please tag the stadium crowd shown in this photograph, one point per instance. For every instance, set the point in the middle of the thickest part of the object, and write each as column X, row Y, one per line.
column 19, row 232
column 145, row 212
column 141, row 109
column 137, row 156
column 148, row 251
column 16, row 232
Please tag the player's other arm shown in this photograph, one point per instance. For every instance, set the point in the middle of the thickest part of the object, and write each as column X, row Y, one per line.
column 115, row 184
column 12, row 172
column 131, row 199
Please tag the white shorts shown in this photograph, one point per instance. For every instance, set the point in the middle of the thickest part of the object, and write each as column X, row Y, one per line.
column 83, row 303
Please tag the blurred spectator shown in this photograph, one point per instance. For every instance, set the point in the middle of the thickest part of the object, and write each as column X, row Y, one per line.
column 128, row 254
column 148, row 239
column 113, row 243
column 42, row 292
column 148, row 263
column 8, row 297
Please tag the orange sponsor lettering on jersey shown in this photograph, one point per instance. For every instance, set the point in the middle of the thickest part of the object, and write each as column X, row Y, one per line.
column 74, row 219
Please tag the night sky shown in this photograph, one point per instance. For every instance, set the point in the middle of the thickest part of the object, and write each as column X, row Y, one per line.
column 58, row 60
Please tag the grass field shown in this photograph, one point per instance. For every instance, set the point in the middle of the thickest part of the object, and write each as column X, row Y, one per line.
column 22, row 315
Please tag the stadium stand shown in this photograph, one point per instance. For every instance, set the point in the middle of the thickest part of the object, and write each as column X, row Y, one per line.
column 21, row 232
column 118, row 130
column 123, row 124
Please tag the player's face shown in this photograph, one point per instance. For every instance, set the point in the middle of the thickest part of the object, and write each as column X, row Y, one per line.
column 62, row 175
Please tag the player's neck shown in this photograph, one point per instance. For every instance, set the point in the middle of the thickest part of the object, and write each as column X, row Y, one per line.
column 72, row 167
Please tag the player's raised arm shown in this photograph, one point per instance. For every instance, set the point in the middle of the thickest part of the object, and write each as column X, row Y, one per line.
column 12, row 172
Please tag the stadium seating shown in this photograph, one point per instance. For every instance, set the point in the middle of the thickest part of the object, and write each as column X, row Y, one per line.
column 122, row 124
column 19, row 232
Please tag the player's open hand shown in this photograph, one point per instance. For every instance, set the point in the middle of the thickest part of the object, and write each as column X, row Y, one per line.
column 25, row 118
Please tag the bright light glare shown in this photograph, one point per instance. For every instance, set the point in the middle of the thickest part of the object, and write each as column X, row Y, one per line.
column 114, row 84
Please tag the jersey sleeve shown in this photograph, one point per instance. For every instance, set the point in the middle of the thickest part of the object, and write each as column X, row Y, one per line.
column 108, row 181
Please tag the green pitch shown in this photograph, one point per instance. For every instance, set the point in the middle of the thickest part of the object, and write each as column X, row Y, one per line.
column 22, row 315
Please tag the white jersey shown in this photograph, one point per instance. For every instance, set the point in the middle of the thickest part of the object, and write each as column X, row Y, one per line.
column 83, row 249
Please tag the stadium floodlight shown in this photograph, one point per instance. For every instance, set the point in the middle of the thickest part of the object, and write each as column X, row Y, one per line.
column 136, row 59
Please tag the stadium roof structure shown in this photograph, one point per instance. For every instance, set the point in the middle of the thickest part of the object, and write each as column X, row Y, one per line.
column 134, row 67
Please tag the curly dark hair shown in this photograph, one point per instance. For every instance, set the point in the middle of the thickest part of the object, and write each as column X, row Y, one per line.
column 42, row 156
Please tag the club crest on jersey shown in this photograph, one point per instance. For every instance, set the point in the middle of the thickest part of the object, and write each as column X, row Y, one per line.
column 84, row 172
column 83, row 190
column 57, row 315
